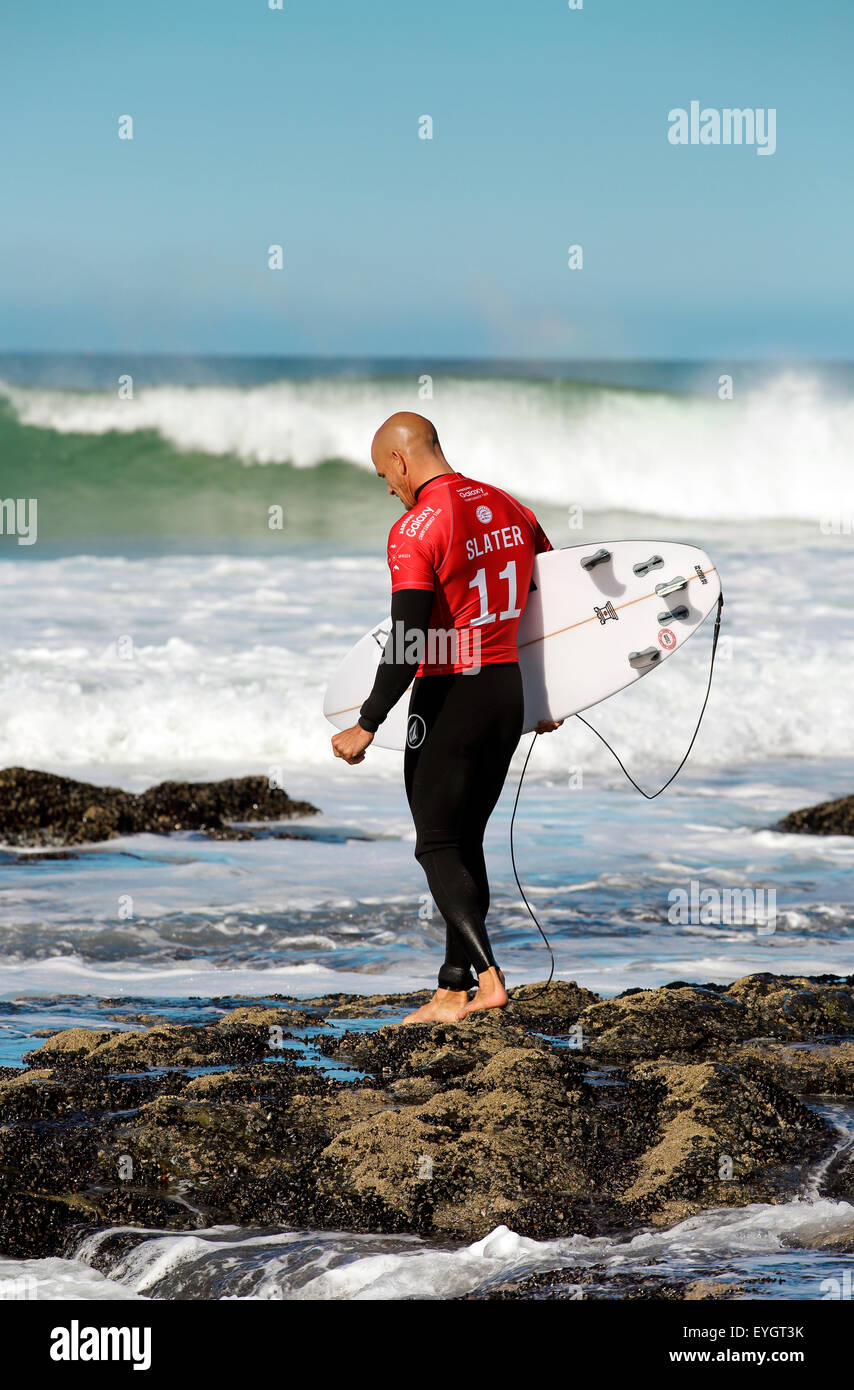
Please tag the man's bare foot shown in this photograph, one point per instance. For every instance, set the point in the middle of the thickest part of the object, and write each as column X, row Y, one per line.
column 444, row 1007
column 491, row 993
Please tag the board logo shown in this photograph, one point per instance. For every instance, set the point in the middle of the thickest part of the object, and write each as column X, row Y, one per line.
column 483, row 514
column 416, row 730
column 702, row 578
column 667, row 638
column 609, row 611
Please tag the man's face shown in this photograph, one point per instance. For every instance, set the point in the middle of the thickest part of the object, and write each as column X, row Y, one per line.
column 391, row 467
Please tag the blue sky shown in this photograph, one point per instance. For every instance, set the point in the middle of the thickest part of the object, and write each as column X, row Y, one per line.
column 299, row 127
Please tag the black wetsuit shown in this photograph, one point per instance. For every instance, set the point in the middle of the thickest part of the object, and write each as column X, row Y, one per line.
column 462, row 732
column 471, row 726
column 463, row 727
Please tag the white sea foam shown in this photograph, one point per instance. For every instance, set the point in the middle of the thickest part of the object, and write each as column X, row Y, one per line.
column 332, row 1266
column 229, row 659
column 783, row 451
column 57, row 1280
column 504, row 1255
column 198, row 978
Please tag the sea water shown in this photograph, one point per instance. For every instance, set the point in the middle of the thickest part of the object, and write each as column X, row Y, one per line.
column 162, row 627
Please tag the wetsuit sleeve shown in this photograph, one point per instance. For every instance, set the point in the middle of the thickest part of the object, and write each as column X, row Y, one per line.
column 410, row 619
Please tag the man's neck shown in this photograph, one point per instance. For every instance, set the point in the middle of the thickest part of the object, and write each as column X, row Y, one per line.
column 443, row 473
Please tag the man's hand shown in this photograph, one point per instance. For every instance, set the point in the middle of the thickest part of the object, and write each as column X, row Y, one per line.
column 548, row 726
column 350, row 744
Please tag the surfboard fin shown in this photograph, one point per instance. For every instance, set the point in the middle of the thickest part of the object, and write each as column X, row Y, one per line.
column 671, row 586
column 654, row 563
column 589, row 562
column 671, row 615
column 647, row 657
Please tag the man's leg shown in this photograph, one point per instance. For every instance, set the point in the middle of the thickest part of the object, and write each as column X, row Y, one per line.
column 456, row 977
column 489, row 776
column 453, row 780
column 472, row 852
column 475, row 862
column 457, row 969
column 456, row 895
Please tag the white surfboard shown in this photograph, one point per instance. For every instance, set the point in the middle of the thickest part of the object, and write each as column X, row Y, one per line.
column 602, row 616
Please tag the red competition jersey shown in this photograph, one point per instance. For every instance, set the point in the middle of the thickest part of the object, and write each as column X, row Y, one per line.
column 474, row 546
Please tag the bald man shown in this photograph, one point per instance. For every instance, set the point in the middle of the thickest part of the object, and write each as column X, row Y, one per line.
column 461, row 562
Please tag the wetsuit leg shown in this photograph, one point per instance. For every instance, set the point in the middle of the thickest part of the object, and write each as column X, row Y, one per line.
column 457, row 972
column 463, row 732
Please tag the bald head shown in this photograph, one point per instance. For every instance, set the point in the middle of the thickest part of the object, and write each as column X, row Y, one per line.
column 405, row 431
column 406, row 452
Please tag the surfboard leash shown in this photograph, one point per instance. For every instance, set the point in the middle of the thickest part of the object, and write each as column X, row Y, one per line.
column 531, row 911
column 650, row 796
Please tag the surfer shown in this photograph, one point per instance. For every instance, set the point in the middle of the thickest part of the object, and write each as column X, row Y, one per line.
column 461, row 562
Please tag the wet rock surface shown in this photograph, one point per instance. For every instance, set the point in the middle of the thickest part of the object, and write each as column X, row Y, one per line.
column 39, row 808
column 562, row 1114
column 582, row 1283
column 827, row 818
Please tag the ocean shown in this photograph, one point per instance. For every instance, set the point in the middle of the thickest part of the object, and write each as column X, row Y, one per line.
column 207, row 551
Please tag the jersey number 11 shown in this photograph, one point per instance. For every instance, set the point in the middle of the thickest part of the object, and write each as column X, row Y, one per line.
column 479, row 583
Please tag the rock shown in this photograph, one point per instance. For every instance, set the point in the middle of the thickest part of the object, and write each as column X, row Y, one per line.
column 394, row 1052
column 471, row 1158
column 77, row 1042
column 838, row 1182
column 828, row 818
column 39, row 808
column 804, row 1068
column 212, row 805
column 458, row 1129
column 686, row 1021
column 162, row 1045
column 582, row 1282
column 710, row 1288
column 841, row 1240
column 683, row 1022
column 795, row 1007
column 267, row 1017
column 720, row 1138
column 376, row 1005
column 554, row 1009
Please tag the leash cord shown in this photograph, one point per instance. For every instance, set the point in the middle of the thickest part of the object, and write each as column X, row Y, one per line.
column 650, row 796
column 531, row 911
